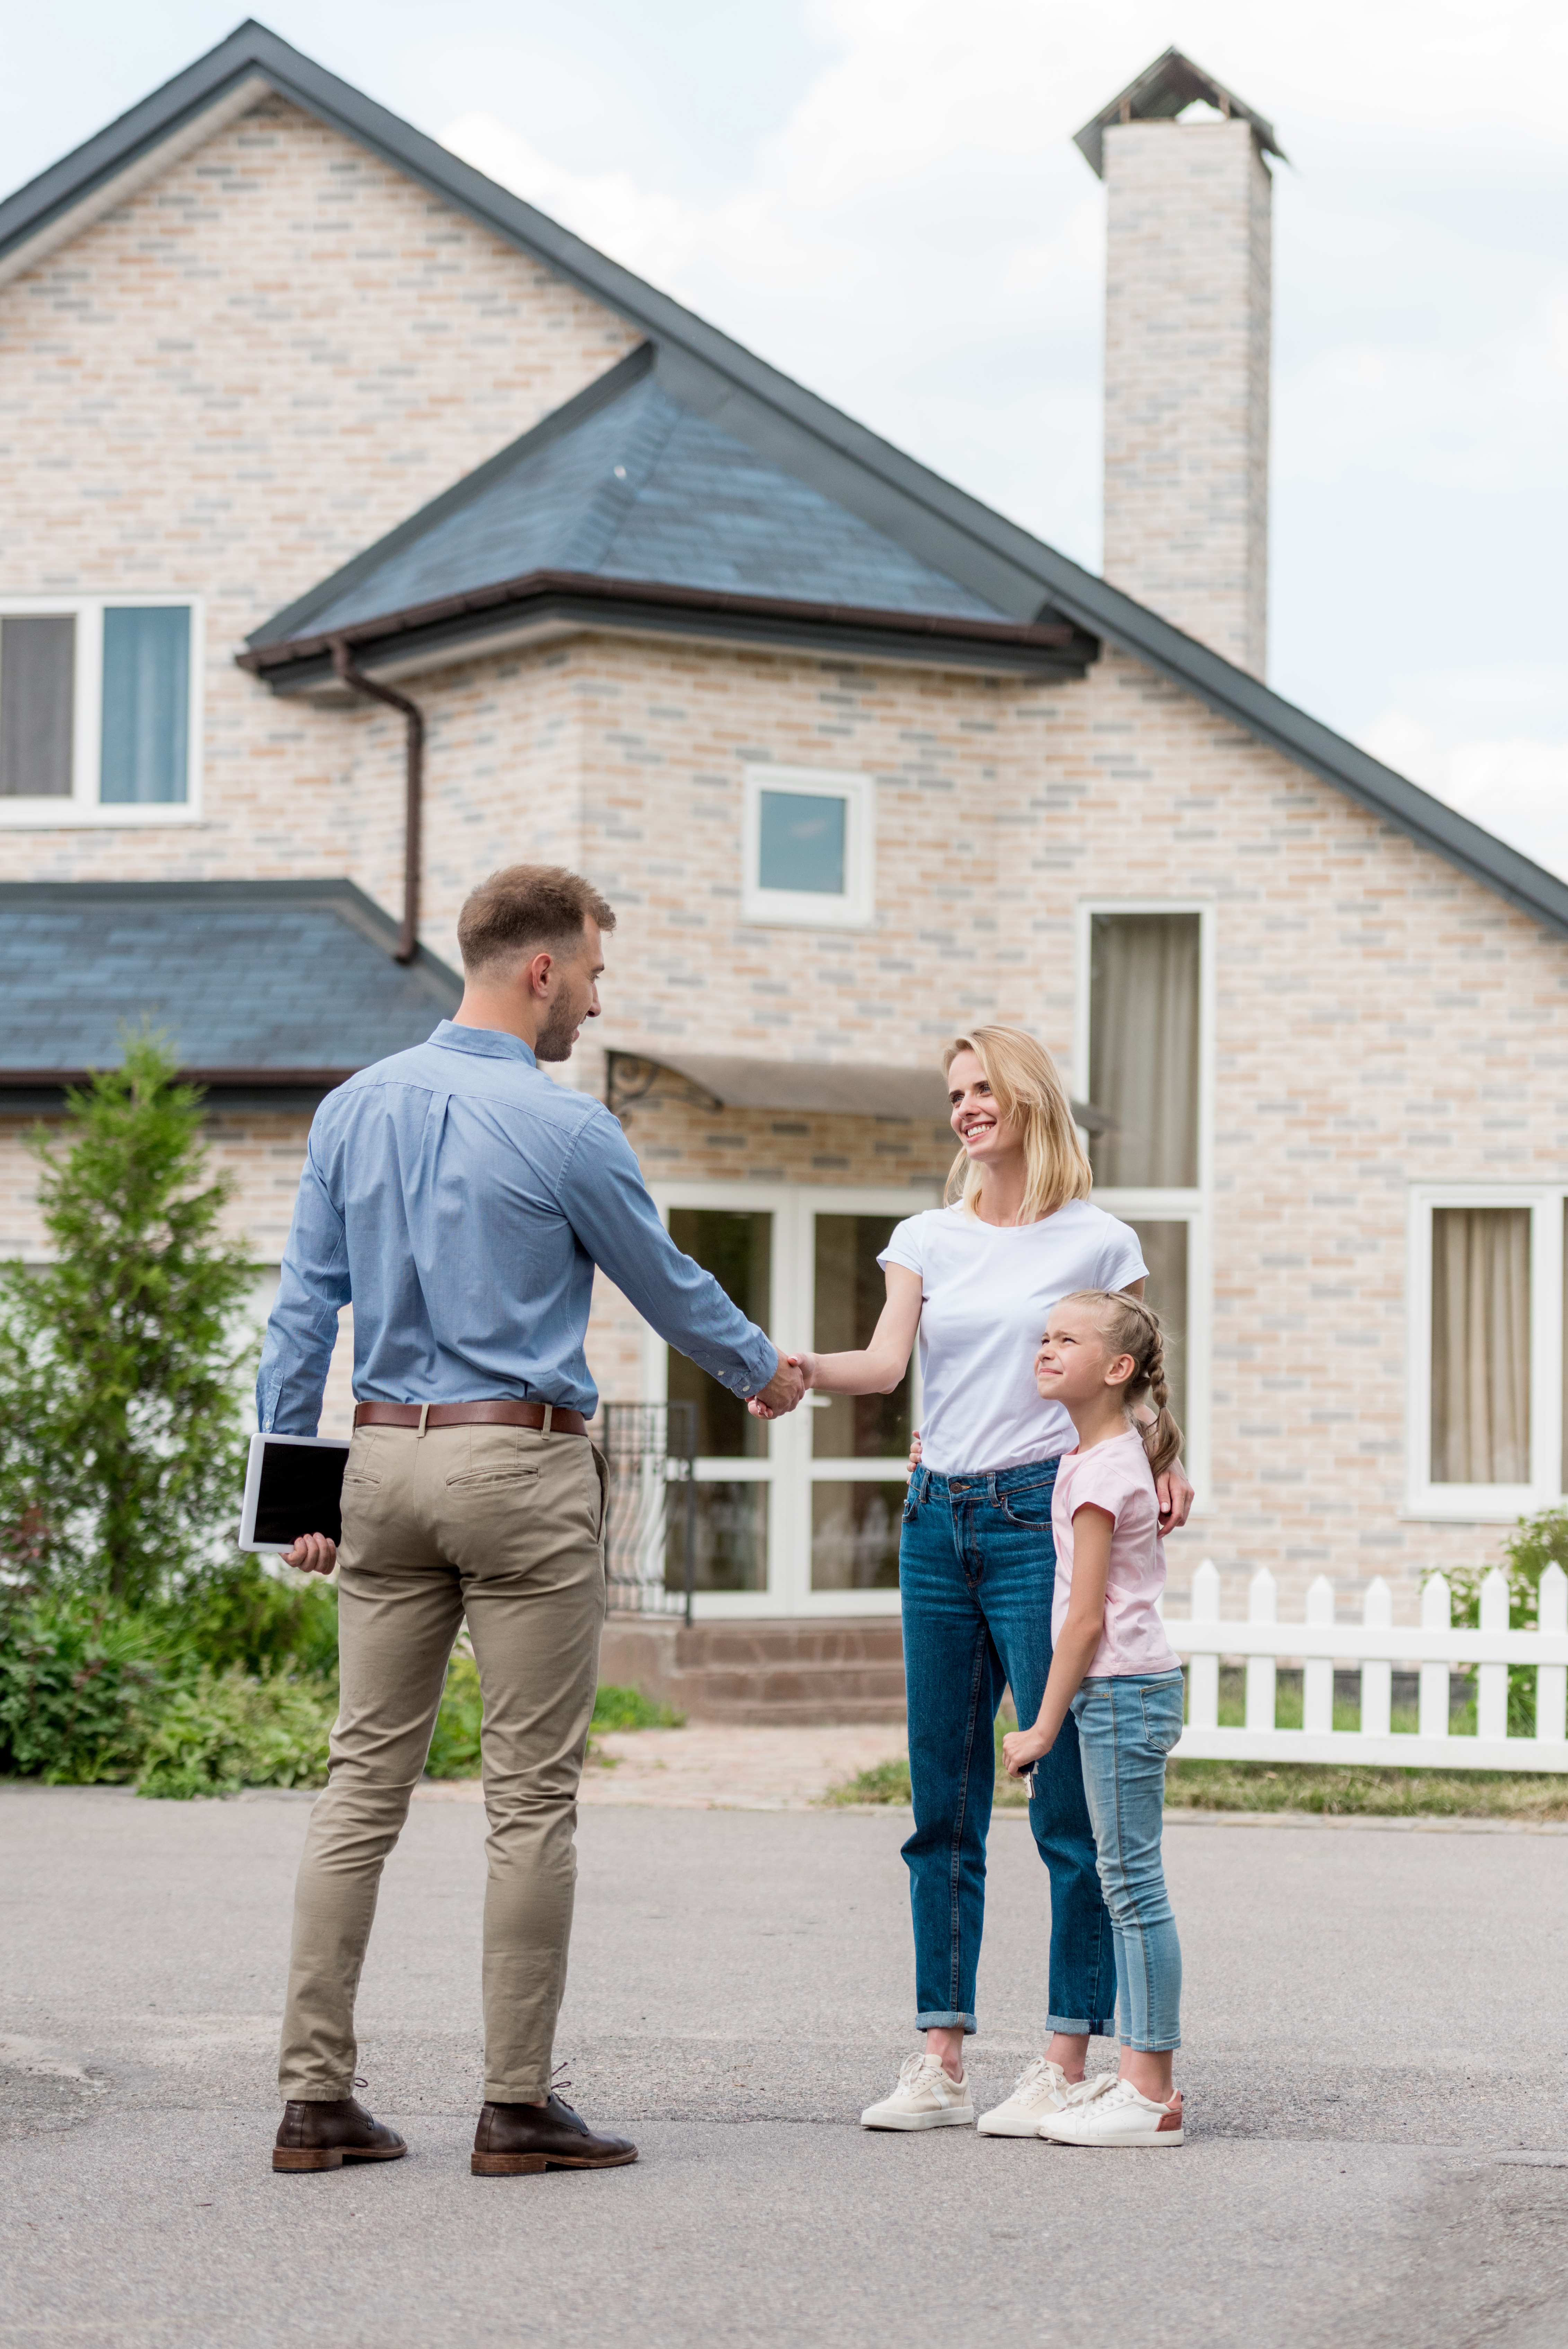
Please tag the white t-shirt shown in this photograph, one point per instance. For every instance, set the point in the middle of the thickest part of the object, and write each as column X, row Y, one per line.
column 986, row 1295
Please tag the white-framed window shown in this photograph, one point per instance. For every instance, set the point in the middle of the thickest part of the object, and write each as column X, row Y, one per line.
column 808, row 840
column 1144, row 1049
column 1485, row 1441
column 100, row 709
column 800, row 1516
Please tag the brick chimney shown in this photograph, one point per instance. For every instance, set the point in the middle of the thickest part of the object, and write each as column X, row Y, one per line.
column 1187, row 269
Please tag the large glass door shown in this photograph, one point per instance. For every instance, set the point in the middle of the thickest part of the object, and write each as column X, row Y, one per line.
column 800, row 1517
column 859, row 1443
column 734, row 1467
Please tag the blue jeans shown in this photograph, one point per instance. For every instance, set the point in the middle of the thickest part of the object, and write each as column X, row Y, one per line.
column 1126, row 1726
column 977, row 1567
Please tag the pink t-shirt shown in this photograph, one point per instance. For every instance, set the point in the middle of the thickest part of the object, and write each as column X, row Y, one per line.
column 1115, row 1477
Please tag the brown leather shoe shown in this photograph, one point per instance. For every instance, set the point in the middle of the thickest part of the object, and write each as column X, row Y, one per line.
column 324, row 2136
column 514, row 2139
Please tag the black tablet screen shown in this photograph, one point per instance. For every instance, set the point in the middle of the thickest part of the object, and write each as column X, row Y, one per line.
column 301, row 1492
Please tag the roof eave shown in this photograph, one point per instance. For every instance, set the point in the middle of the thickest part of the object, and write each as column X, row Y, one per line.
column 420, row 636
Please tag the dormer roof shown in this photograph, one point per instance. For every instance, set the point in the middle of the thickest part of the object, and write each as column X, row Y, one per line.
column 630, row 501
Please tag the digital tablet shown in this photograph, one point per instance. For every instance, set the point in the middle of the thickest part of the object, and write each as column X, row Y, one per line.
column 294, row 1486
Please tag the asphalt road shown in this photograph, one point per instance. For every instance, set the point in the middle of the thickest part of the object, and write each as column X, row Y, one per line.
column 1376, row 2053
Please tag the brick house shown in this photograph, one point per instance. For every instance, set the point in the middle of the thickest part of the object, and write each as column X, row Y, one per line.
column 364, row 530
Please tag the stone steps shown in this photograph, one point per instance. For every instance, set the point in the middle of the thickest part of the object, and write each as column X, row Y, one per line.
column 762, row 1674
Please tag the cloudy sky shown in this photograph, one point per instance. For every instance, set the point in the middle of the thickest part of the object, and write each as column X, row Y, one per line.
column 881, row 197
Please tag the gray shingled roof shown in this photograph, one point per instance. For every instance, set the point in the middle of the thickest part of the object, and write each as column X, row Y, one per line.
column 260, row 982
column 626, row 483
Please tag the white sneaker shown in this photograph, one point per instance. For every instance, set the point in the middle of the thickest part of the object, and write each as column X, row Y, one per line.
column 1042, row 2088
column 1115, row 2113
column 926, row 2097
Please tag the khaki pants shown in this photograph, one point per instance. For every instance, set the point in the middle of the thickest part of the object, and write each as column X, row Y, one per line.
column 503, row 1524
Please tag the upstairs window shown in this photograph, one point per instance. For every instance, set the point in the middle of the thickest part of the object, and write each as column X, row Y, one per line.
column 807, row 845
column 1141, row 1043
column 97, row 710
column 1145, row 1030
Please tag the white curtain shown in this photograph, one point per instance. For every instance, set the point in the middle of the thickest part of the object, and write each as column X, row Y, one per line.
column 1481, row 1346
column 1143, row 1049
column 146, row 703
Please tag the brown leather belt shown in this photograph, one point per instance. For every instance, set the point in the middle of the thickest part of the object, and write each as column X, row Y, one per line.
column 553, row 1418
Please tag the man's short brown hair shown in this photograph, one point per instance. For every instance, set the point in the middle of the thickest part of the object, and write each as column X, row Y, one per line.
column 528, row 909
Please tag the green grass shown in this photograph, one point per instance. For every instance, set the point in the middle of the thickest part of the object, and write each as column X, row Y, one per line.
column 1326, row 1789
column 1371, row 1793
column 889, row 1782
column 1290, row 1702
column 885, row 1782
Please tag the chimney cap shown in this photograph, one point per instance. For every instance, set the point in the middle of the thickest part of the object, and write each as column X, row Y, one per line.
column 1160, row 93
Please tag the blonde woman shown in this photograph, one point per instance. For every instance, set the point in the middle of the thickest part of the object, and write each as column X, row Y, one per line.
column 976, row 1280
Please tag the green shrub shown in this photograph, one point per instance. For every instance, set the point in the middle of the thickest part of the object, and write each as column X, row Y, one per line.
column 80, row 1683
column 455, row 1745
column 232, row 1730
column 242, row 1616
column 627, row 1708
column 1535, row 1544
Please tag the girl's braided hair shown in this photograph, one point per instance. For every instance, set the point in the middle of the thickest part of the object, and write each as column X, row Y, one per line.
column 1130, row 1327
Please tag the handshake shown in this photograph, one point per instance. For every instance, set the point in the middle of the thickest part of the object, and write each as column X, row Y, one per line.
column 784, row 1390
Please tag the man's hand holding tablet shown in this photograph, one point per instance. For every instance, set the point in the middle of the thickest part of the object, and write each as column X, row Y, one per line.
column 312, row 1554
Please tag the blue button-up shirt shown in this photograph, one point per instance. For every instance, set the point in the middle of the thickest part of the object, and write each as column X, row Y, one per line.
column 461, row 1200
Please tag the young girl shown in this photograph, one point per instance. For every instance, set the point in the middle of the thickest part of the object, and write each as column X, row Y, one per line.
column 1114, row 1669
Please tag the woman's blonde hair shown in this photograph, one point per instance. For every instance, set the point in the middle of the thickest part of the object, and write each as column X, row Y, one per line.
column 1128, row 1326
column 1029, row 1093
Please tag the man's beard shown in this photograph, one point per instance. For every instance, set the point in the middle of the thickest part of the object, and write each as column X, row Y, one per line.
column 557, row 1033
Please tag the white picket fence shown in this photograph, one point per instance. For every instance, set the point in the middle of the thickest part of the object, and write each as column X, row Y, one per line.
column 1376, row 1646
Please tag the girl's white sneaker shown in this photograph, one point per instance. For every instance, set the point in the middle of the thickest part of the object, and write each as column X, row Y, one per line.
column 1040, row 2088
column 926, row 2097
column 1114, row 2112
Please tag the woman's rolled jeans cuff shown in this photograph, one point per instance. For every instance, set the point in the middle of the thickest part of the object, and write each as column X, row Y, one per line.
column 964, row 2022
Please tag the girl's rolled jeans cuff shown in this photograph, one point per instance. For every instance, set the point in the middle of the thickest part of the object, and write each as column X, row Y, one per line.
column 948, row 2019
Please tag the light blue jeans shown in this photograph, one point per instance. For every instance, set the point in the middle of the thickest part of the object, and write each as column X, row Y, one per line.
column 1126, row 1726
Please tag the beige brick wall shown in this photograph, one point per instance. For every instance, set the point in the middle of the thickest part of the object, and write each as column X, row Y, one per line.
column 1380, row 1019
column 238, row 378
column 1187, row 232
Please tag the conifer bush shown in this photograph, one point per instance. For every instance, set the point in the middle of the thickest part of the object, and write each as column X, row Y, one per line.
column 122, row 1359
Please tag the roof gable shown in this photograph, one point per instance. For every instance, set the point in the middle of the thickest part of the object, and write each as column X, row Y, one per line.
column 705, row 371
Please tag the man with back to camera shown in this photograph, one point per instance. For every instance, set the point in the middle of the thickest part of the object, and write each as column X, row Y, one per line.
column 462, row 1199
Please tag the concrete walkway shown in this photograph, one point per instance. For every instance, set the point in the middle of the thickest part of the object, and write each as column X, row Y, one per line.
column 1375, row 2067
column 712, row 1767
